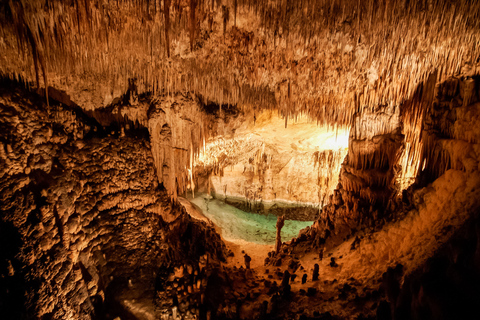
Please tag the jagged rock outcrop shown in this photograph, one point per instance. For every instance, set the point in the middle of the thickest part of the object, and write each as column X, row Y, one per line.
column 81, row 210
column 368, row 175
column 368, row 172
column 450, row 137
column 370, row 184
column 177, row 126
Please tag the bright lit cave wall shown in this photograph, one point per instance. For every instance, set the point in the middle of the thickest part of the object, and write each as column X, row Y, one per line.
column 271, row 166
column 360, row 117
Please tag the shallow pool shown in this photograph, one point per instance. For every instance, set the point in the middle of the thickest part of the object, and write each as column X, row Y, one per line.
column 240, row 225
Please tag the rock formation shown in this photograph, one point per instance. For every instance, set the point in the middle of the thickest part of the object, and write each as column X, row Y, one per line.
column 82, row 211
column 278, row 239
column 112, row 110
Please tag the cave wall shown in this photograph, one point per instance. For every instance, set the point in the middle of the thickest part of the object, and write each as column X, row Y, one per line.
column 175, row 124
column 450, row 135
column 437, row 125
column 368, row 175
column 257, row 176
column 374, row 146
column 81, row 208
column 270, row 164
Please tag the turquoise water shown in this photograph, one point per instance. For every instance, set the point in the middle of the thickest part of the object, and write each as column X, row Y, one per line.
column 240, row 225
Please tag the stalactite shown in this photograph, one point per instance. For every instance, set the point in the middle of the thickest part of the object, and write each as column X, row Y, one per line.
column 45, row 82
column 166, row 12
column 226, row 17
column 450, row 41
column 193, row 5
column 235, row 12
column 37, row 71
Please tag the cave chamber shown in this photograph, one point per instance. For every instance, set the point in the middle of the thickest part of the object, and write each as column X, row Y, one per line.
column 239, row 159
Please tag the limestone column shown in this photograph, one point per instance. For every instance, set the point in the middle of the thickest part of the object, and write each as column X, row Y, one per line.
column 278, row 241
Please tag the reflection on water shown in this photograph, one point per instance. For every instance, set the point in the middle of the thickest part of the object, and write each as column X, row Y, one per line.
column 237, row 224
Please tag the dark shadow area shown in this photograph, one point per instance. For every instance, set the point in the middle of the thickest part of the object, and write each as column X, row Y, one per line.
column 12, row 278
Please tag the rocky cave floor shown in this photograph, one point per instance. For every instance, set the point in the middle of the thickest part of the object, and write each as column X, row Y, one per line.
column 305, row 282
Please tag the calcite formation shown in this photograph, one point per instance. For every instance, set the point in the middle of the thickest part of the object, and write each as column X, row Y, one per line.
column 82, row 210
column 326, row 59
column 266, row 168
column 370, row 189
column 113, row 110
column 177, row 128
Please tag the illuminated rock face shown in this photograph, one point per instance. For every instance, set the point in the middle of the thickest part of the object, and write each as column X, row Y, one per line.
column 270, row 167
column 80, row 210
column 371, row 190
column 176, row 126
column 371, row 165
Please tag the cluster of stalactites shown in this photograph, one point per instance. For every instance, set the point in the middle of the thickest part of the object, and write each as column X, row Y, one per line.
column 328, row 163
column 448, row 133
column 326, row 58
column 176, row 126
column 425, row 136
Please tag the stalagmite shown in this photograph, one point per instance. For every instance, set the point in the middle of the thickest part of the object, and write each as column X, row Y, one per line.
column 315, row 272
column 247, row 259
column 278, row 238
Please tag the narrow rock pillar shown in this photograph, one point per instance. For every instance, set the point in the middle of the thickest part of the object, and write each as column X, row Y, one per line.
column 278, row 241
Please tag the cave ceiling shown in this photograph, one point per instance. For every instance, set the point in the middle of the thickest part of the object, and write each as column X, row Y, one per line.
column 326, row 59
